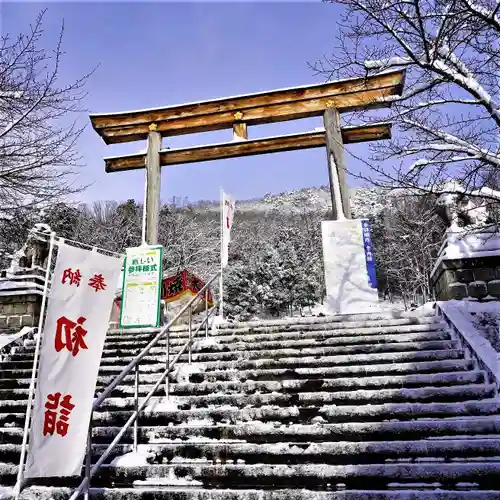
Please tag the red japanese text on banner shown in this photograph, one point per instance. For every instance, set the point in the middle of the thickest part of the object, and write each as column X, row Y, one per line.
column 228, row 207
column 79, row 306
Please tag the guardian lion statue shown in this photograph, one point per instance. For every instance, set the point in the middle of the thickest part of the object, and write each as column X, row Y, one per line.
column 458, row 209
column 35, row 251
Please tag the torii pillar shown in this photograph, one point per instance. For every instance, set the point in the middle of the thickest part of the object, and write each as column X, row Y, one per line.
column 151, row 218
column 339, row 191
column 349, row 264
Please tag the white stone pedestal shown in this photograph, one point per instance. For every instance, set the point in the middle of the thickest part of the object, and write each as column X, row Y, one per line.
column 348, row 287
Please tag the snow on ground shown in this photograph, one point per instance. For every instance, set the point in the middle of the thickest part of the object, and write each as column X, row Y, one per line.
column 8, row 338
column 182, row 372
column 6, row 493
column 160, row 405
column 168, row 481
column 323, row 310
column 205, row 343
column 134, row 459
column 427, row 309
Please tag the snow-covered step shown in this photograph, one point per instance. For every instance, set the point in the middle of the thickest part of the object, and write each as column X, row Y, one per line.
column 335, row 371
column 286, row 386
column 416, row 380
column 330, row 453
column 176, row 340
column 302, row 475
column 287, row 344
column 307, row 385
column 293, row 453
column 352, row 328
column 180, row 492
column 121, row 356
column 115, row 365
column 237, row 344
column 15, row 400
column 364, row 318
column 199, row 377
column 334, row 360
column 21, row 387
column 451, row 365
column 310, row 323
column 258, row 432
column 361, row 397
column 157, row 415
column 336, row 453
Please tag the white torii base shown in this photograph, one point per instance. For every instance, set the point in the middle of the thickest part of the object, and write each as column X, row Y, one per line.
column 348, row 289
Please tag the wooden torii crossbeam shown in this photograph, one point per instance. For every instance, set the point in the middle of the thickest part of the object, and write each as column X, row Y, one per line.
column 327, row 99
column 314, row 139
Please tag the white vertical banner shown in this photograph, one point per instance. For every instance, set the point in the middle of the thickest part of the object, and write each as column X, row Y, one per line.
column 227, row 215
column 79, row 305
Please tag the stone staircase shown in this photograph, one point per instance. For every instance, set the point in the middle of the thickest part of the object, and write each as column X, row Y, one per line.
column 365, row 407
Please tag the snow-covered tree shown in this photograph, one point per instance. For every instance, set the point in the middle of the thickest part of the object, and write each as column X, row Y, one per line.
column 448, row 117
column 38, row 132
column 241, row 292
column 408, row 240
column 191, row 240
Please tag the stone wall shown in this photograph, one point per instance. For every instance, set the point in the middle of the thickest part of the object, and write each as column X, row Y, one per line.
column 19, row 310
column 476, row 277
column 21, row 298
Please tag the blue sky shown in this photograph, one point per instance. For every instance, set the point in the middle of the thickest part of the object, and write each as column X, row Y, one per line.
column 154, row 54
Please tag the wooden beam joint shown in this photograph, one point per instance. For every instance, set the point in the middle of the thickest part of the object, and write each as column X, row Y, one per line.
column 240, row 131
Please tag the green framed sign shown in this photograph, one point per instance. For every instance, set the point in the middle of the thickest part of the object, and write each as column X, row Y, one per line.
column 141, row 288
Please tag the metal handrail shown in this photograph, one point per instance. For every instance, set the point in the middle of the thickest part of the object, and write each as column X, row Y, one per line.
column 134, row 364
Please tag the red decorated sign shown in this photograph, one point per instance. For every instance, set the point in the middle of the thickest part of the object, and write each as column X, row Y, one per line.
column 182, row 283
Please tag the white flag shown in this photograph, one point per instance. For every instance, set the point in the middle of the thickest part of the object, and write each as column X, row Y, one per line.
column 80, row 301
column 227, row 223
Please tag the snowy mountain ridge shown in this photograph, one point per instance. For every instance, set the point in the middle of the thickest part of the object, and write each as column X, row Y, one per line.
column 364, row 201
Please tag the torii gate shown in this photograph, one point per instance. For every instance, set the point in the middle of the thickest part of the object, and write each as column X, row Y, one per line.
column 326, row 99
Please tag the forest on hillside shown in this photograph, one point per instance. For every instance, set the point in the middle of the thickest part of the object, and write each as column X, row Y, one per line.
column 275, row 263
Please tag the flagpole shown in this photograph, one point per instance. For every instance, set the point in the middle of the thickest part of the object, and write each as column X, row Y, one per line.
column 221, row 283
column 144, row 212
column 20, row 471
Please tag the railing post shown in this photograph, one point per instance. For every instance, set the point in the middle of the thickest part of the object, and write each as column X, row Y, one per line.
column 136, row 406
column 88, row 459
column 167, row 381
column 190, row 314
column 91, row 470
column 206, row 313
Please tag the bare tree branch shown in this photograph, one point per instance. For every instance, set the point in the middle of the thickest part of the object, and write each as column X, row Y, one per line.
column 38, row 127
column 449, row 113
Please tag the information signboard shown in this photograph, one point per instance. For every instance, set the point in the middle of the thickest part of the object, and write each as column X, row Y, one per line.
column 142, row 280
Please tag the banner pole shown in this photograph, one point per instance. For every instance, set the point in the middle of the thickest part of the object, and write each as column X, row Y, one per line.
column 20, row 472
column 144, row 211
column 221, row 284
